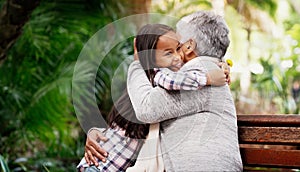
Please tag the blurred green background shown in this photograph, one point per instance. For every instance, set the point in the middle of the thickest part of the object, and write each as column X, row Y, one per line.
column 41, row 41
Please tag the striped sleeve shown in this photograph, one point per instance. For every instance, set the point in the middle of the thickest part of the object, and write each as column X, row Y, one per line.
column 192, row 79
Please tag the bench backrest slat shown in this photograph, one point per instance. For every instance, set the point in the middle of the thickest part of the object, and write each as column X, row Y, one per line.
column 270, row 140
column 271, row 158
column 269, row 120
column 269, row 135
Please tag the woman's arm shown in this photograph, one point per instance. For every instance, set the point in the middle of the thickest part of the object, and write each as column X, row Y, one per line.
column 156, row 104
column 92, row 148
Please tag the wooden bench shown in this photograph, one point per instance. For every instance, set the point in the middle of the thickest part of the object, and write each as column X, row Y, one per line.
column 271, row 141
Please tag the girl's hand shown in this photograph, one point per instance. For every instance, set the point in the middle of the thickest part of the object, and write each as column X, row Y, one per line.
column 92, row 149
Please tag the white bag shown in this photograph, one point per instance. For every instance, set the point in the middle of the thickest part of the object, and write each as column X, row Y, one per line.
column 150, row 156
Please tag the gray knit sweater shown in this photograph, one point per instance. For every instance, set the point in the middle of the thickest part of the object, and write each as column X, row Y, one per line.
column 198, row 128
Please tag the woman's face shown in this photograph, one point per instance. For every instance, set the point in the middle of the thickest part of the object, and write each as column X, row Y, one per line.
column 168, row 52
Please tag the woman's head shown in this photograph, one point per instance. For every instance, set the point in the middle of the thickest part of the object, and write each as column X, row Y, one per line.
column 158, row 46
column 208, row 30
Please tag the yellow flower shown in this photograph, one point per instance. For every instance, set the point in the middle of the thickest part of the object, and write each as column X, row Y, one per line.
column 229, row 62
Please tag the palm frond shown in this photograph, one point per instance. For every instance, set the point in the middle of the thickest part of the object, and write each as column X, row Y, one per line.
column 4, row 166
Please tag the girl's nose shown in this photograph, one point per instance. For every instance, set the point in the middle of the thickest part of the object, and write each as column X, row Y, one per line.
column 177, row 57
column 181, row 54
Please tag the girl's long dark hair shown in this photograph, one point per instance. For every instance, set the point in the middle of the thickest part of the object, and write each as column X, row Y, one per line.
column 122, row 113
column 146, row 42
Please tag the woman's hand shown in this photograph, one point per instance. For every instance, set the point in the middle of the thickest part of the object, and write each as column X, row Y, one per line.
column 226, row 68
column 216, row 77
column 92, row 149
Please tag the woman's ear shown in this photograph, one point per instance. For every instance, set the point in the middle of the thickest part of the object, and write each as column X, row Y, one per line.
column 189, row 47
column 188, row 52
column 188, row 57
column 135, row 55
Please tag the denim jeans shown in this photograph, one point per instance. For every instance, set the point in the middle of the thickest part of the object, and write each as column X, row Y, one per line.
column 91, row 169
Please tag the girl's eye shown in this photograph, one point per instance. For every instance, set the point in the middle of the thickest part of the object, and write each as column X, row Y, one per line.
column 179, row 47
column 169, row 53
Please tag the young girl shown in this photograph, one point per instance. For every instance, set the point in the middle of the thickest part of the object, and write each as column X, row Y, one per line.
column 149, row 38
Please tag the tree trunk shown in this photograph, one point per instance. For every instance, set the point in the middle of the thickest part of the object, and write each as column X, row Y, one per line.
column 218, row 7
column 13, row 16
column 135, row 6
column 132, row 7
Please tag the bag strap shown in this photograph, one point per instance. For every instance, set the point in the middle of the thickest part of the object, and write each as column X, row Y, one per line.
column 153, row 131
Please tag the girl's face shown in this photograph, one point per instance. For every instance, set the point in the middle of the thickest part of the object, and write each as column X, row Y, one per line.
column 168, row 52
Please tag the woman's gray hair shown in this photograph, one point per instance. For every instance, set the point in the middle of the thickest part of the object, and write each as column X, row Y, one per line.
column 208, row 30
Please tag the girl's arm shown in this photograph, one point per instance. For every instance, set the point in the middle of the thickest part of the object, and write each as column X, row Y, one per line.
column 192, row 79
column 181, row 80
column 156, row 104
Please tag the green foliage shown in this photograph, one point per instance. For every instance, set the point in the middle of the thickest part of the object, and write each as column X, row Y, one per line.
column 293, row 18
column 36, row 110
column 39, row 128
column 4, row 166
column 114, row 62
column 180, row 8
column 269, row 6
column 274, row 84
